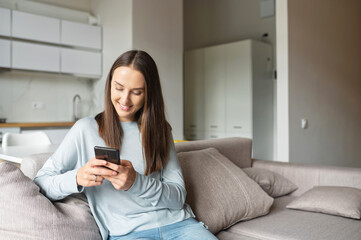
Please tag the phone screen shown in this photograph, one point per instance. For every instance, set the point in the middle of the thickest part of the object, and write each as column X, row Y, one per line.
column 108, row 154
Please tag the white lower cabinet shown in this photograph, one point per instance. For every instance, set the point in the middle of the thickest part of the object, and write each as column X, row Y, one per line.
column 32, row 56
column 194, row 135
column 214, row 135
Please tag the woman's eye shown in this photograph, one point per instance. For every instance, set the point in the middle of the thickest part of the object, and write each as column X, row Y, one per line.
column 119, row 89
column 137, row 93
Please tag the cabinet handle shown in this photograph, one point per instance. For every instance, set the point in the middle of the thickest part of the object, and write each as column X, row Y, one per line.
column 192, row 135
column 214, row 136
column 214, row 126
column 237, row 127
column 193, row 125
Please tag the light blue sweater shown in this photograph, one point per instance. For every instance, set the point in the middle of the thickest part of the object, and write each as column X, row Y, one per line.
column 152, row 201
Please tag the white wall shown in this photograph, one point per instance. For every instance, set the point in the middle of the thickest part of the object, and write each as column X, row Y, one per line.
column 282, row 81
column 116, row 21
column 158, row 30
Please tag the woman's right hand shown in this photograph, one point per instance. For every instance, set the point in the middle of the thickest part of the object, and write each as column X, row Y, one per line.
column 91, row 174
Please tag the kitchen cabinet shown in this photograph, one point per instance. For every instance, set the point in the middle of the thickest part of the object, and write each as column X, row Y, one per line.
column 80, row 35
column 41, row 43
column 214, row 86
column 80, row 62
column 194, row 91
column 236, row 79
column 35, row 27
column 5, row 22
column 5, row 53
column 32, row 56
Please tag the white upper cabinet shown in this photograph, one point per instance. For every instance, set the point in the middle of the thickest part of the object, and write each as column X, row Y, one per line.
column 80, row 35
column 5, row 18
column 5, row 53
column 80, row 62
column 35, row 27
column 38, row 57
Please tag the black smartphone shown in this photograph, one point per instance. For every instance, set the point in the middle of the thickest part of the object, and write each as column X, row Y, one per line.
column 108, row 154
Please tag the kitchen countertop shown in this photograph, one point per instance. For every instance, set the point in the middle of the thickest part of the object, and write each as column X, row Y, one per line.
column 37, row 124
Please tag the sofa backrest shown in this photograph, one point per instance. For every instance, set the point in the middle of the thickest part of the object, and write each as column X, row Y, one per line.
column 238, row 150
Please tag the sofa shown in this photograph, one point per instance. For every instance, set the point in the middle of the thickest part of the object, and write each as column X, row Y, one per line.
column 312, row 202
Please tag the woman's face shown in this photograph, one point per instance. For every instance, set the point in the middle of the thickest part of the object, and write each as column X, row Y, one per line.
column 127, row 92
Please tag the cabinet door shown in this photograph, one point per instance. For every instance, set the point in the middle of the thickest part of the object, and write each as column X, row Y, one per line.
column 214, row 135
column 194, row 90
column 80, row 35
column 5, row 22
column 80, row 62
column 214, row 85
column 5, row 53
column 35, row 27
column 31, row 56
column 238, row 87
column 194, row 135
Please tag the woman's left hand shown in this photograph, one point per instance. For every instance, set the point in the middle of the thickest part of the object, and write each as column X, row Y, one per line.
column 124, row 179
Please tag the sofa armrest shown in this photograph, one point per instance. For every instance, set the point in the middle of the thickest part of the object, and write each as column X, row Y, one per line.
column 31, row 164
column 308, row 176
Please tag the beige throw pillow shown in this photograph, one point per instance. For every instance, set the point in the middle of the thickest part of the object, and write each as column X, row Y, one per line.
column 219, row 192
column 272, row 183
column 27, row 214
column 340, row 201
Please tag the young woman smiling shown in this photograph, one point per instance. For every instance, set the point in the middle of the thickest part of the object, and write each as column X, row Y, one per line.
column 144, row 197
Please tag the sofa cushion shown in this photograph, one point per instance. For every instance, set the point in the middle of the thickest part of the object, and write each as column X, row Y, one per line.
column 218, row 191
column 340, row 201
column 272, row 183
column 285, row 224
column 25, row 212
column 236, row 149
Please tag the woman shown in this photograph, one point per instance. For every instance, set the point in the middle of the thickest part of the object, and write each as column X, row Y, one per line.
column 144, row 196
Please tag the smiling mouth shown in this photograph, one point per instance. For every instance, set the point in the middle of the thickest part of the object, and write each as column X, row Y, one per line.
column 124, row 108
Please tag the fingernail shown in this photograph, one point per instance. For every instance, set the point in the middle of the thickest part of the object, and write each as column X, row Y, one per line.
column 105, row 162
column 115, row 173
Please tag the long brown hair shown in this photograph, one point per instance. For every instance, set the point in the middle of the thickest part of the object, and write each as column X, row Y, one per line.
column 151, row 120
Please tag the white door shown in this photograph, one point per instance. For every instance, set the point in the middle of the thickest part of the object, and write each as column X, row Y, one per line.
column 5, row 53
column 80, row 35
column 194, row 90
column 37, row 57
column 35, row 27
column 214, row 85
column 239, row 87
column 80, row 62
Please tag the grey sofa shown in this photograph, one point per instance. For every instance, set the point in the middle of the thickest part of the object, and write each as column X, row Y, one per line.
column 280, row 223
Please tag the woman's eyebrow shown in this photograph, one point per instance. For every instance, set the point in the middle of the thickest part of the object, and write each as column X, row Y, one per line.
column 132, row 89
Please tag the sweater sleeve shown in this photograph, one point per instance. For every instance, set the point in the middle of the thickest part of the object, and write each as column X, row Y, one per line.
column 169, row 191
column 57, row 178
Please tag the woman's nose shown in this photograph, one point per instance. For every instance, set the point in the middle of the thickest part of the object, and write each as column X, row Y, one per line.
column 125, row 98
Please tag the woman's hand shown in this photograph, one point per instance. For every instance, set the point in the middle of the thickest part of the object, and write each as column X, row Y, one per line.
column 125, row 176
column 93, row 173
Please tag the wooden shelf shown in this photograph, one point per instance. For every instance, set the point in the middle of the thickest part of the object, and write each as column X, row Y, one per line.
column 38, row 124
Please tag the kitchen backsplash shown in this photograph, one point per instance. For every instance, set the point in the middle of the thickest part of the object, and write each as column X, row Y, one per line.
column 34, row 97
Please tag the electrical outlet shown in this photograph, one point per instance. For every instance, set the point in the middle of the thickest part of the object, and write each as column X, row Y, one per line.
column 38, row 105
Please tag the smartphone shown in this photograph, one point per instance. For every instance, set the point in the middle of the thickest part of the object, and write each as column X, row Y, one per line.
column 108, row 154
